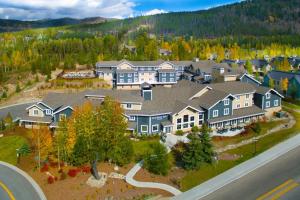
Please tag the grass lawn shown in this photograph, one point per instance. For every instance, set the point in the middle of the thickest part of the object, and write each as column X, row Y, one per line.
column 206, row 172
column 142, row 146
column 220, row 142
column 8, row 146
column 290, row 105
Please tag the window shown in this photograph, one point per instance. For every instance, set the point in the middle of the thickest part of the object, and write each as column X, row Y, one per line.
column 191, row 125
column 144, row 128
column 35, row 112
column 136, row 80
column 179, row 120
column 171, row 74
column 163, row 74
column 164, row 80
column 185, row 118
column 226, row 102
column 215, row 113
column 121, row 75
column 129, row 75
column 201, row 116
column 276, row 103
column 178, row 126
column 131, row 118
column 155, row 128
column 129, row 80
column 226, row 111
column 238, row 106
column 128, row 105
column 185, row 125
column 171, row 79
column 247, row 96
column 48, row 112
column 121, row 80
column 268, row 96
column 192, row 118
column 238, row 97
column 62, row 117
column 268, row 104
column 246, row 104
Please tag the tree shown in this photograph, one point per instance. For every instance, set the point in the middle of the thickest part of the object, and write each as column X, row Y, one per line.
column 2, row 125
column 60, row 141
column 271, row 83
column 285, row 85
column 207, row 146
column 193, row 157
column 248, row 67
column 42, row 142
column 18, row 89
column 156, row 159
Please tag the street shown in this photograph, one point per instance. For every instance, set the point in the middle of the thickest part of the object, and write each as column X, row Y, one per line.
column 279, row 179
column 14, row 186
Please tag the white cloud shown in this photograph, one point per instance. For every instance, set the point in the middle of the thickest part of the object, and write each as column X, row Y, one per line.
column 40, row 9
column 154, row 12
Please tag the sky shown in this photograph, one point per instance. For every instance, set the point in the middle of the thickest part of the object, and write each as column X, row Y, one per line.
column 45, row 9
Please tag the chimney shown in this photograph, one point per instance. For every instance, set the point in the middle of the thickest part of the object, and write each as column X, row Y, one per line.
column 146, row 91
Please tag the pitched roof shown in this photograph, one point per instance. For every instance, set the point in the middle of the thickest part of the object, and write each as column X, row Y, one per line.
column 234, row 87
column 278, row 75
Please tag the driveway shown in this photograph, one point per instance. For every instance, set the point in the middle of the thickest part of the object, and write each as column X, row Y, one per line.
column 15, row 184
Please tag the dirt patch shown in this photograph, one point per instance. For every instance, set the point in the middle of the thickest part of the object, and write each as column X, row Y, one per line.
column 227, row 156
column 74, row 188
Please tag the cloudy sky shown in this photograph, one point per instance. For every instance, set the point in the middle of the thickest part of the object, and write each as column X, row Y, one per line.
column 42, row 9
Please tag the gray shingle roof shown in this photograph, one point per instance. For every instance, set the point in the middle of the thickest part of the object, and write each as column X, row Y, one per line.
column 278, row 75
column 234, row 87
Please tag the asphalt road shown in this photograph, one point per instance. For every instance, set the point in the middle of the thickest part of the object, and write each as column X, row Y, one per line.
column 279, row 179
column 14, row 186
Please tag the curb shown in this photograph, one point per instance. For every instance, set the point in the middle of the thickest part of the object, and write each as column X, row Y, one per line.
column 240, row 170
column 28, row 178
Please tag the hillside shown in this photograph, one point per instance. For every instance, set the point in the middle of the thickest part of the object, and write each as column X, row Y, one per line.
column 256, row 17
column 17, row 25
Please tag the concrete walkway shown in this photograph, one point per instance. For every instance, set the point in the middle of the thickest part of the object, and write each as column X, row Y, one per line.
column 129, row 179
column 241, row 170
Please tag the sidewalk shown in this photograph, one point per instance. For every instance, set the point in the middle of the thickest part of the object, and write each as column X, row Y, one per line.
column 129, row 179
column 241, row 170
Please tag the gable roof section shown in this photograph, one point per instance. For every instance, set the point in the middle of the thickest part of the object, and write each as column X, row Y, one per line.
column 251, row 77
column 263, row 90
column 278, row 75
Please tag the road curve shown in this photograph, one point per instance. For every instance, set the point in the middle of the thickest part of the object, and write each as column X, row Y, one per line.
column 129, row 179
column 17, row 184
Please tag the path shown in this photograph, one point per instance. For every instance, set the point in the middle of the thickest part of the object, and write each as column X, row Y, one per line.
column 129, row 179
column 291, row 123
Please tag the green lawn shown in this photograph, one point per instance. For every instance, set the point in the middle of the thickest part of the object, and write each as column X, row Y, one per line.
column 290, row 105
column 206, row 172
column 8, row 146
column 141, row 147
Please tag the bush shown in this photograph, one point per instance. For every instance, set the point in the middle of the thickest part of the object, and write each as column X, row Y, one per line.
column 72, row 172
column 179, row 132
column 63, row 175
column 45, row 168
column 50, row 180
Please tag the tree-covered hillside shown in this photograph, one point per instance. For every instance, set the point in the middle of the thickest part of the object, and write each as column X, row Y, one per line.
column 251, row 17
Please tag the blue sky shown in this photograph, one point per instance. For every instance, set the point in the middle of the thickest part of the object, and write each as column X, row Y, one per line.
column 42, row 9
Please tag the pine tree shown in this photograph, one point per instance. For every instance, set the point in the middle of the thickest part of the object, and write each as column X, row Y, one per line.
column 207, row 146
column 193, row 157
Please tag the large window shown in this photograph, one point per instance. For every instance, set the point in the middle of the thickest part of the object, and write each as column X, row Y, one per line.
column 179, row 120
column 226, row 111
column 215, row 113
column 226, row 102
column 192, row 118
column 144, row 128
column 185, row 118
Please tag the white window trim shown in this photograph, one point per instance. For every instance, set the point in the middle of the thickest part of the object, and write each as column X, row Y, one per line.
column 215, row 113
column 121, row 80
column 268, row 104
column 268, row 96
column 155, row 125
column 276, row 102
column 48, row 112
column 129, row 75
column 226, row 111
column 247, row 104
column 121, row 75
column 247, row 96
column 171, row 79
column 131, row 118
column 62, row 115
column 226, row 102
column 146, row 128
column 164, row 79
column 163, row 74
column 128, row 105
column 35, row 114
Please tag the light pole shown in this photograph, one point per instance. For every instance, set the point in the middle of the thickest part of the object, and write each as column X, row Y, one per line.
column 255, row 141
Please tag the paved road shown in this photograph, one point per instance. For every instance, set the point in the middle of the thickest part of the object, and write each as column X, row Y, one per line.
column 279, row 179
column 17, row 185
column 129, row 179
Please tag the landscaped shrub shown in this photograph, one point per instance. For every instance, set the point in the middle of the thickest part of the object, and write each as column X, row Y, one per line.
column 72, row 172
column 50, row 180
column 45, row 168
column 179, row 132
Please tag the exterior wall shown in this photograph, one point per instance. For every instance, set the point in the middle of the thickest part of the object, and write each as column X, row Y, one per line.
column 149, row 77
column 294, row 85
column 190, row 113
column 242, row 100
column 261, row 101
column 67, row 112
column 220, row 107
column 229, row 78
column 133, row 106
column 128, row 87
column 156, row 121
column 150, row 121
column 128, row 77
column 31, row 112
column 168, row 76
column 166, row 66
column 108, row 77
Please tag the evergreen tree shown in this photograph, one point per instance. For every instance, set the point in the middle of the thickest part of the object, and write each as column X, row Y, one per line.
column 248, row 67
column 207, row 146
column 193, row 157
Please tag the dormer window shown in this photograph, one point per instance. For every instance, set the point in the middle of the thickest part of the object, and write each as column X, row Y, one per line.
column 48, row 112
column 131, row 118
column 128, row 105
